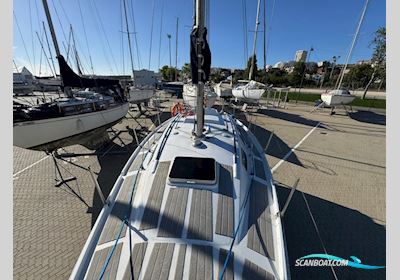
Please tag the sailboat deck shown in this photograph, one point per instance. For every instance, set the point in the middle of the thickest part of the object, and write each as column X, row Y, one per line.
column 184, row 231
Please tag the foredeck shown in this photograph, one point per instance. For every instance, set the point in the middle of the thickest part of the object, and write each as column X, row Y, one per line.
column 159, row 230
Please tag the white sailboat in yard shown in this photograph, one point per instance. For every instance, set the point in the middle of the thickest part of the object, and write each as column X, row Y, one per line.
column 67, row 121
column 196, row 200
column 190, row 96
column 136, row 93
column 340, row 96
column 251, row 91
column 223, row 89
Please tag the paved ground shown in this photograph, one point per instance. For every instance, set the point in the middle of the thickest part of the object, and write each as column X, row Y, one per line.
column 341, row 167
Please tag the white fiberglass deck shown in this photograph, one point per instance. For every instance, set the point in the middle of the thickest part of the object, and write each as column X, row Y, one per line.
column 185, row 231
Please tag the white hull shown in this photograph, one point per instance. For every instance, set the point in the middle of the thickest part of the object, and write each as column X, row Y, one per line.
column 189, row 96
column 336, row 99
column 248, row 94
column 39, row 132
column 223, row 91
column 140, row 95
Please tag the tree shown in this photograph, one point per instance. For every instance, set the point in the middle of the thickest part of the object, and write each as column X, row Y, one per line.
column 168, row 73
column 186, row 71
column 378, row 58
column 277, row 77
column 255, row 69
column 297, row 74
column 359, row 76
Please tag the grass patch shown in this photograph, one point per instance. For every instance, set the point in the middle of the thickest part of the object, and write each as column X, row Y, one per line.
column 312, row 97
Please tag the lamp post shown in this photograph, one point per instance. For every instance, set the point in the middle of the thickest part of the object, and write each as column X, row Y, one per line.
column 170, row 64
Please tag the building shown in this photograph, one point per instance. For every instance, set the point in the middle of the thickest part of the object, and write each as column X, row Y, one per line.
column 23, row 76
column 145, row 77
column 361, row 62
column 300, row 56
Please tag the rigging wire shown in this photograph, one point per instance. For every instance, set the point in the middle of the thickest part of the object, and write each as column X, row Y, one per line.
column 161, row 25
column 135, row 36
column 122, row 38
column 32, row 37
column 151, row 32
column 41, row 44
column 59, row 21
column 23, row 41
column 105, row 35
column 244, row 19
column 78, row 44
column 40, row 61
column 270, row 28
column 48, row 45
column 84, row 31
column 101, row 39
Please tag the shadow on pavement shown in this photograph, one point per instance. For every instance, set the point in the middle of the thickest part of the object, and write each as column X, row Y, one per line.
column 345, row 232
column 368, row 117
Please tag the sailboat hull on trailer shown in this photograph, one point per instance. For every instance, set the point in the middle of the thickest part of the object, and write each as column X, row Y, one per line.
column 38, row 134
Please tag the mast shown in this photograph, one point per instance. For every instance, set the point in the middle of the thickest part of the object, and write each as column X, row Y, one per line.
column 255, row 40
column 52, row 32
column 75, row 51
column 41, row 44
column 199, row 24
column 129, row 41
column 352, row 45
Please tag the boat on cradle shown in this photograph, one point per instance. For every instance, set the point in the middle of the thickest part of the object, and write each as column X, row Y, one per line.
column 337, row 97
column 47, row 83
column 56, row 124
column 51, row 125
column 175, row 88
column 140, row 95
column 340, row 96
column 223, row 89
column 176, row 208
column 190, row 96
column 251, row 91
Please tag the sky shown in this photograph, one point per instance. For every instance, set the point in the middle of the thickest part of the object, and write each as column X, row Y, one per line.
column 100, row 31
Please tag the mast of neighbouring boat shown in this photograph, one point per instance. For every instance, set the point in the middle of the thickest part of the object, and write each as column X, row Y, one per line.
column 54, row 38
column 129, row 41
column 352, row 45
column 199, row 24
column 75, row 50
column 255, row 40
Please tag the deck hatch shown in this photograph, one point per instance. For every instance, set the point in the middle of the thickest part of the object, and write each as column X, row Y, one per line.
column 193, row 170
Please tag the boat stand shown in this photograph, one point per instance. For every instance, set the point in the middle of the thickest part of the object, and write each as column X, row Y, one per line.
column 347, row 112
column 320, row 106
column 59, row 178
